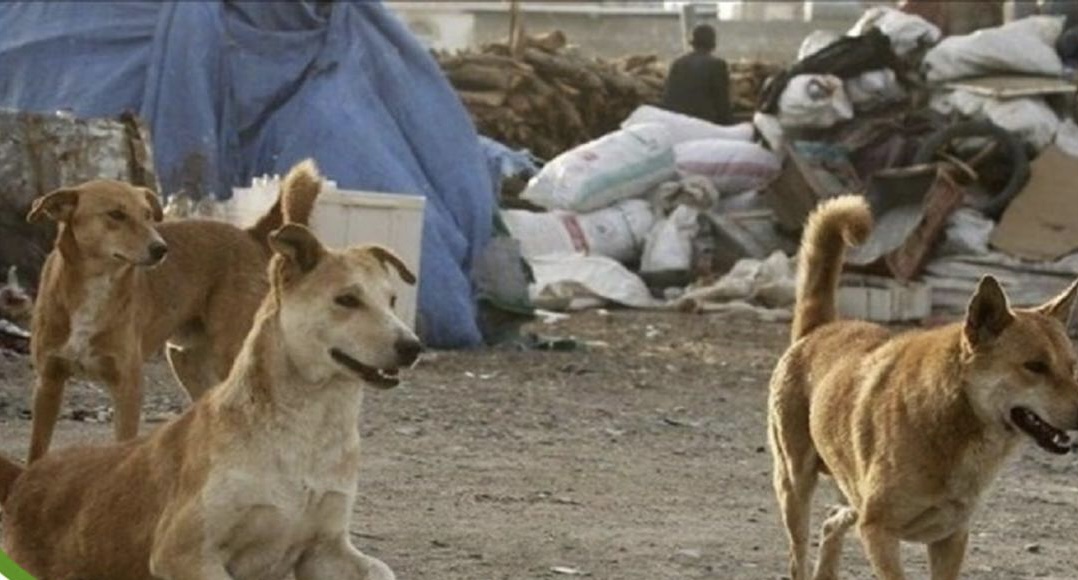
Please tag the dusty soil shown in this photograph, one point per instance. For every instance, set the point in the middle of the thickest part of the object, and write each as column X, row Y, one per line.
column 643, row 456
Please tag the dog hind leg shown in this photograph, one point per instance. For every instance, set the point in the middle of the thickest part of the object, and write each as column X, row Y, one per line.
column 795, row 478
column 832, row 533
column 945, row 556
column 883, row 550
column 339, row 559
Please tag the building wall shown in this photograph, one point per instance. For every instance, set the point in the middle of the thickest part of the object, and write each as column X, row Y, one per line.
column 615, row 33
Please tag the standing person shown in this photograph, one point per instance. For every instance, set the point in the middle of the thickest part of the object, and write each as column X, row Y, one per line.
column 699, row 82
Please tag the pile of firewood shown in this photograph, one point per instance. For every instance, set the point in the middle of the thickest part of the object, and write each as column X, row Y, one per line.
column 549, row 98
column 746, row 82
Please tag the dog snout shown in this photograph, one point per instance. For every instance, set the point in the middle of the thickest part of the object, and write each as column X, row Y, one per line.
column 157, row 250
column 408, row 350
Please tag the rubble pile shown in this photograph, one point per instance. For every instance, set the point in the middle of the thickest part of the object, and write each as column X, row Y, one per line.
column 962, row 146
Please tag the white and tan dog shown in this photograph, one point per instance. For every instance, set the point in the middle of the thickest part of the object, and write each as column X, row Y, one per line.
column 914, row 427
column 257, row 479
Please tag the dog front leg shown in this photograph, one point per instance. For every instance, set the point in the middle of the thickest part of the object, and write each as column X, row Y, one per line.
column 125, row 380
column 945, row 556
column 48, row 394
column 340, row 559
column 182, row 569
column 884, row 552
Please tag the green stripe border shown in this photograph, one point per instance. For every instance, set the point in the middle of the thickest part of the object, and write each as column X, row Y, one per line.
column 10, row 569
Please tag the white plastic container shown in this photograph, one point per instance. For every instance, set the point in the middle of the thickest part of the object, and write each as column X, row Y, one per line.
column 877, row 299
column 344, row 218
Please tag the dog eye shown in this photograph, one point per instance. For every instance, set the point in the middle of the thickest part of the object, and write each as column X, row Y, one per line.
column 348, row 301
column 117, row 215
column 392, row 301
column 1036, row 367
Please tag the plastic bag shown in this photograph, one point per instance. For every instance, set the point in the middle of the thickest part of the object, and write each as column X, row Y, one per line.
column 874, row 89
column 617, row 232
column 733, row 167
column 622, row 165
column 669, row 244
column 814, row 101
column 1025, row 46
column 685, row 128
column 1029, row 118
column 907, row 32
column 816, row 41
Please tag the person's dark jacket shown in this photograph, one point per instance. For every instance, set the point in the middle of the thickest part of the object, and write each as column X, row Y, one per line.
column 698, row 84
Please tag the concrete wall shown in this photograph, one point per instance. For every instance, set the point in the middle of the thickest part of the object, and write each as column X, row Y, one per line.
column 615, row 33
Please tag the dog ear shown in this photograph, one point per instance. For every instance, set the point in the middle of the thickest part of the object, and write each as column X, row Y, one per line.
column 298, row 245
column 988, row 313
column 155, row 204
column 1061, row 307
column 386, row 256
column 56, row 205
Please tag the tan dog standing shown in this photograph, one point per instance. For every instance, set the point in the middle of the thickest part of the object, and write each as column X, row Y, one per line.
column 109, row 298
column 258, row 478
column 913, row 428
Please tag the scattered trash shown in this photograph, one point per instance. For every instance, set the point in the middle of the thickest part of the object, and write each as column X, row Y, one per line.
column 568, row 571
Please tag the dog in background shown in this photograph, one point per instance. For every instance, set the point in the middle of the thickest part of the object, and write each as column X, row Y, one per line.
column 109, row 298
column 257, row 479
column 912, row 427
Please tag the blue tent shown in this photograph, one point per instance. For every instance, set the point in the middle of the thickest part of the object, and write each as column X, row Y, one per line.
column 232, row 90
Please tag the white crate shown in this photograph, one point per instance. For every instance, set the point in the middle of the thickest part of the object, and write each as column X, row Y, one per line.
column 879, row 299
column 344, row 218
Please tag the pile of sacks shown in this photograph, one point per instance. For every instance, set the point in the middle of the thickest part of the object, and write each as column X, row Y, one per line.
column 632, row 202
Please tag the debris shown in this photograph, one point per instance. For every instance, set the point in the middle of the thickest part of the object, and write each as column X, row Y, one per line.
column 911, row 207
column 16, row 305
column 568, row 571
column 13, row 338
column 1039, row 224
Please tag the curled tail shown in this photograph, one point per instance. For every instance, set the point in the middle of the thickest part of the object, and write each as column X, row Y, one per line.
column 834, row 225
column 9, row 472
column 295, row 203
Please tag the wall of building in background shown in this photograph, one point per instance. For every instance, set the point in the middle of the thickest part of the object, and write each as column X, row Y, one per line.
column 757, row 30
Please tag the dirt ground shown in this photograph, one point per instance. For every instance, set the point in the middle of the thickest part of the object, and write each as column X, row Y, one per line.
column 643, row 456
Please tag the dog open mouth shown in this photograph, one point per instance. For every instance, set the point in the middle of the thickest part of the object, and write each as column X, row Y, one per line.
column 381, row 378
column 1047, row 436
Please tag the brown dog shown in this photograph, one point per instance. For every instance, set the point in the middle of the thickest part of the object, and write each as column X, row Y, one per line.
column 913, row 427
column 109, row 298
column 257, row 479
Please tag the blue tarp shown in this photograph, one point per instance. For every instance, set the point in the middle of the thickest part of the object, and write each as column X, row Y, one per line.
column 233, row 90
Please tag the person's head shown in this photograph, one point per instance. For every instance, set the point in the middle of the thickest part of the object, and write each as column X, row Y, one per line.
column 703, row 37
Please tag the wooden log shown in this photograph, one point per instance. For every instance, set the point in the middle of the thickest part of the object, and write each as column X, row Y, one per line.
column 482, row 98
column 558, row 66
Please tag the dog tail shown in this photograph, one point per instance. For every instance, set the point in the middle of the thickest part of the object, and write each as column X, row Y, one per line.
column 9, row 472
column 295, row 203
column 834, row 225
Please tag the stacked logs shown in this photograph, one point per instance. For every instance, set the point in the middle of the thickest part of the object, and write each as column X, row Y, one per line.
column 548, row 97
